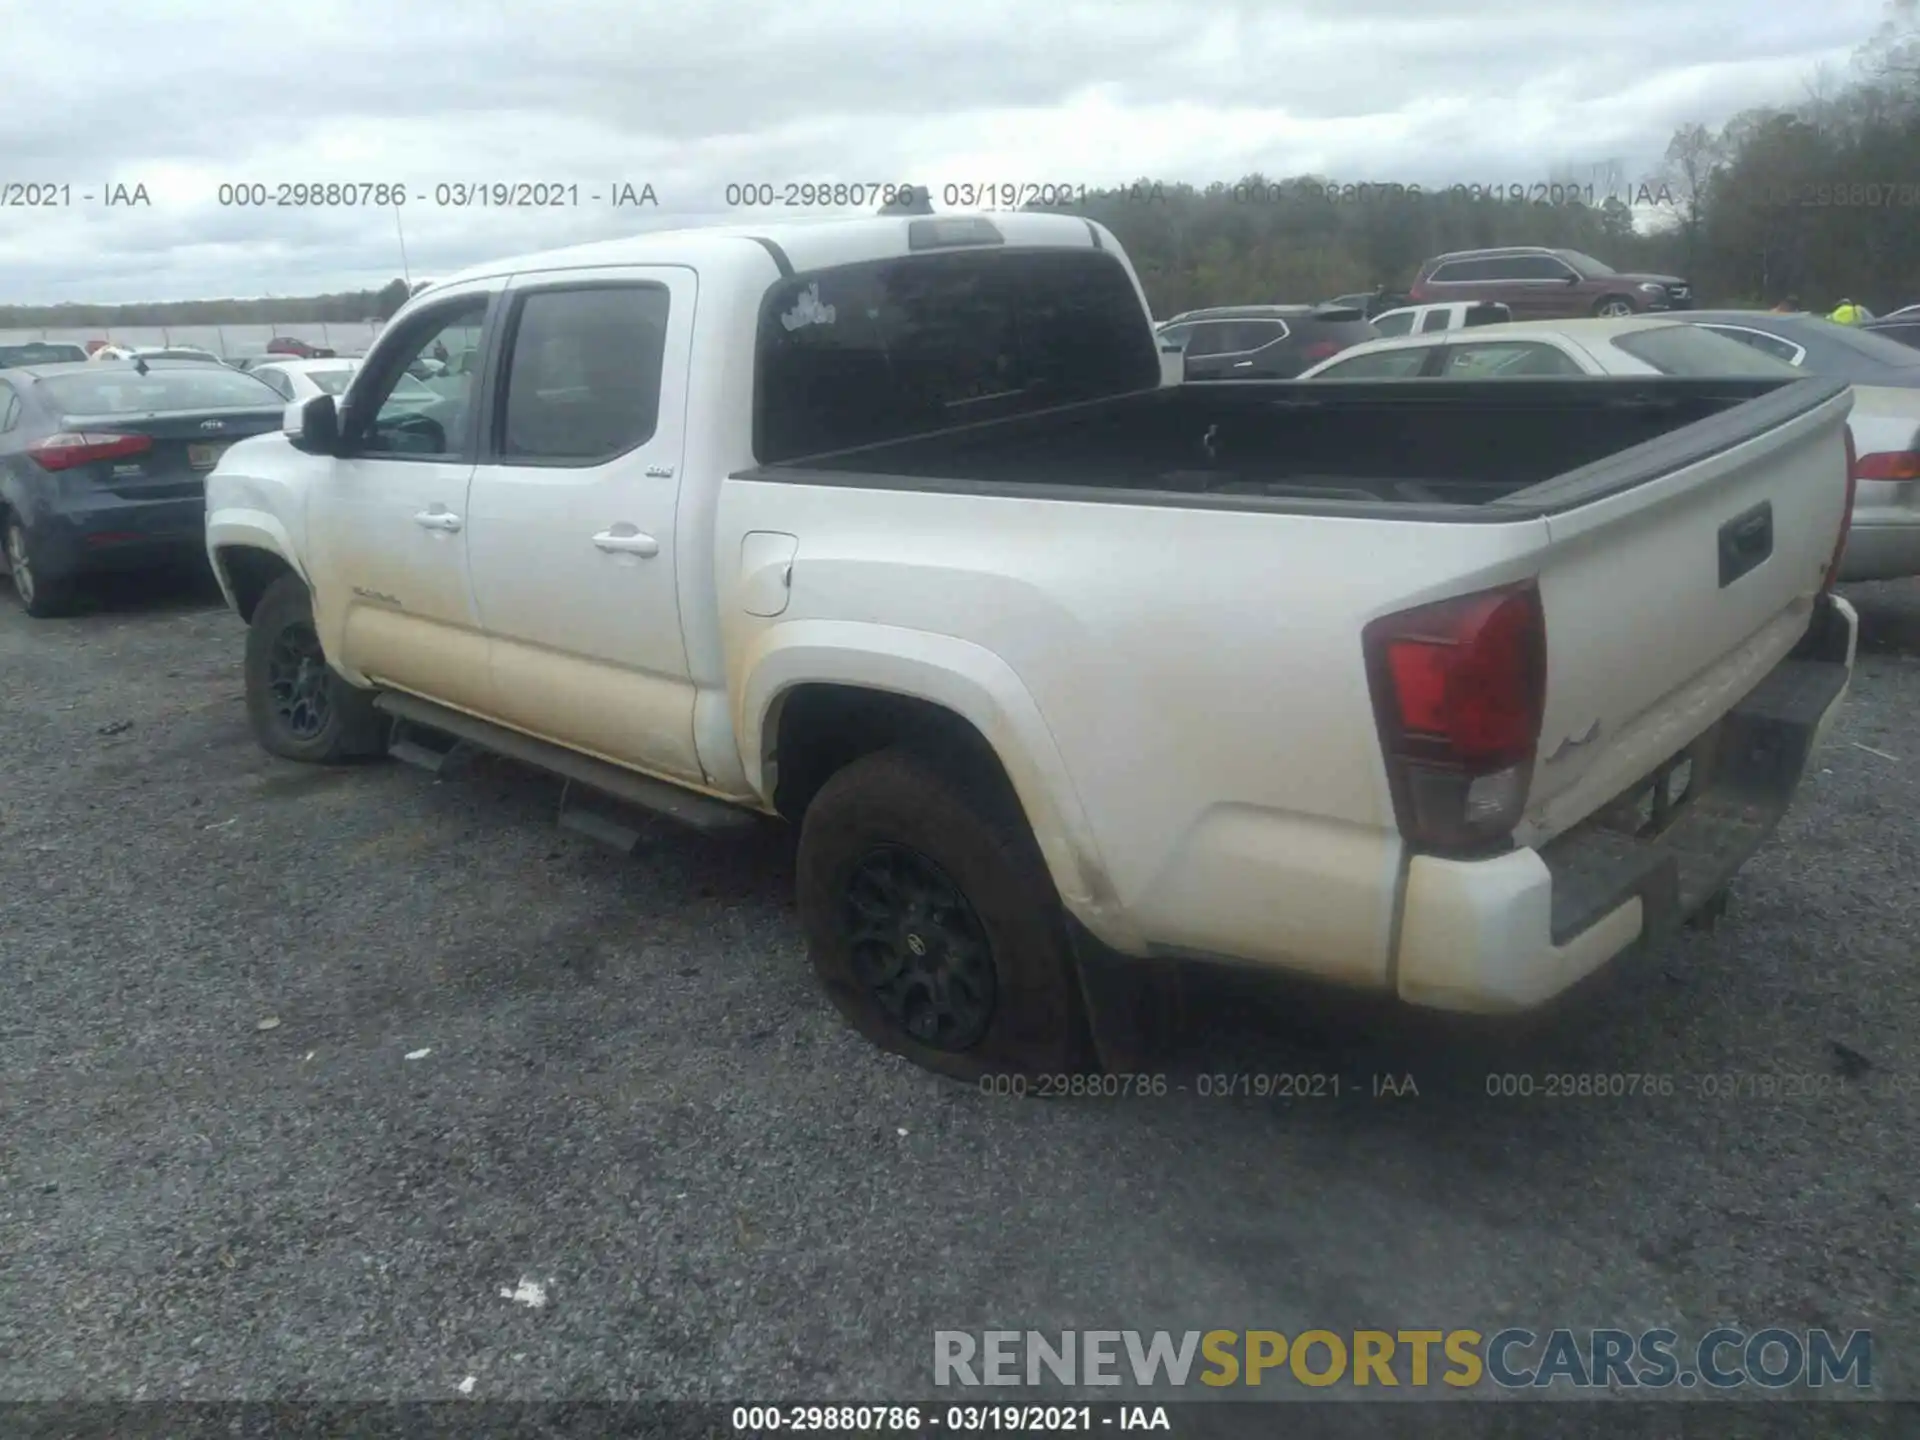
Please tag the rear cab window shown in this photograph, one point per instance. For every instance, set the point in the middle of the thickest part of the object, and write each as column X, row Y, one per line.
column 859, row 354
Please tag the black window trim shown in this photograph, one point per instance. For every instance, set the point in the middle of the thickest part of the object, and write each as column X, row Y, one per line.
column 495, row 362
column 377, row 373
column 12, row 407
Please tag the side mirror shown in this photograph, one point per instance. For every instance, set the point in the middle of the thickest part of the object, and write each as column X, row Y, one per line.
column 313, row 425
column 1573, row 280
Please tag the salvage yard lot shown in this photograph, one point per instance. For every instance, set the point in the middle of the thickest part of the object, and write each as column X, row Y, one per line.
column 632, row 1093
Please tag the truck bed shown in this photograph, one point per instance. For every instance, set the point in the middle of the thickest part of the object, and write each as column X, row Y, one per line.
column 1449, row 449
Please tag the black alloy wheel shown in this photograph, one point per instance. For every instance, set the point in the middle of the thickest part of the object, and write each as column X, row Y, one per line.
column 298, row 680
column 920, row 949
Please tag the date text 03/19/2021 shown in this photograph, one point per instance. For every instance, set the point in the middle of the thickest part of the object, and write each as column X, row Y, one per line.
column 1263, row 1085
column 1007, row 1419
column 444, row 194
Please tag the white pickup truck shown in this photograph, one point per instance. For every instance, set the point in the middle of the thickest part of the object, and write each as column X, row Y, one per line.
column 888, row 527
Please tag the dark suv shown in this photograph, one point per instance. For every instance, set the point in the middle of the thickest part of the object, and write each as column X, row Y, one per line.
column 1262, row 342
column 1536, row 283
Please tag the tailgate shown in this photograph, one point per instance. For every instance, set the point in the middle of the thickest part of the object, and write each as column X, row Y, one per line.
column 1668, row 600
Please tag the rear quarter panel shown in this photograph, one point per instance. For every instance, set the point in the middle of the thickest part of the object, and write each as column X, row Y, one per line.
column 1179, row 695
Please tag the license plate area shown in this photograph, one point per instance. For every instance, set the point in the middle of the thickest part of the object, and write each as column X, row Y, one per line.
column 206, row 456
column 1647, row 809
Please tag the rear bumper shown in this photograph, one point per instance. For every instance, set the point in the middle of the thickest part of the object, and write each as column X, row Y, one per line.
column 109, row 532
column 1512, row 932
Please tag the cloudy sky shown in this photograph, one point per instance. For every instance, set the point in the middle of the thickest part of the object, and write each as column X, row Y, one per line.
column 183, row 96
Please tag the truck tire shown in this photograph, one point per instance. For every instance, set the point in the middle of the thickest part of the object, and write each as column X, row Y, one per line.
column 933, row 924
column 299, row 709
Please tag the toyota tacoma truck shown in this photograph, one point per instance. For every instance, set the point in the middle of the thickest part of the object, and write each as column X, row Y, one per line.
column 889, row 528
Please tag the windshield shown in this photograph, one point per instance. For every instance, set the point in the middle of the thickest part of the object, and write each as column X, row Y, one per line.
column 412, row 391
column 1587, row 265
column 127, row 392
column 40, row 353
column 1689, row 350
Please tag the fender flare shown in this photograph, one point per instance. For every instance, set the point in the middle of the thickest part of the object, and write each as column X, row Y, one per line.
column 959, row 676
column 245, row 529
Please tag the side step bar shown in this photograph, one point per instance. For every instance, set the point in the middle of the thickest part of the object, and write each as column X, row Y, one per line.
column 607, row 784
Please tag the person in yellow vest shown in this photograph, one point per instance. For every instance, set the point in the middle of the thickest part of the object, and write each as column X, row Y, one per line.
column 1847, row 313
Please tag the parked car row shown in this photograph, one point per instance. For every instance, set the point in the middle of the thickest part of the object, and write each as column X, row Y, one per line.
column 1261, row 342
column 1884, row 427
column 1066, row 677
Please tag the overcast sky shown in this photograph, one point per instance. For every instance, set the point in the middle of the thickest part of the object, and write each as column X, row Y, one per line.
column 183, row 95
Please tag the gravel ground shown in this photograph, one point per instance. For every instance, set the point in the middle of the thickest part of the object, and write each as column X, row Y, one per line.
column 504, row 1055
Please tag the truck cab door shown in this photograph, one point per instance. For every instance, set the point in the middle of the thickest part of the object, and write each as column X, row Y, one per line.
column 386, row 523
column 574, row 503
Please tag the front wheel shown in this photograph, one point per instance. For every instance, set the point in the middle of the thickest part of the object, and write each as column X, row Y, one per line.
column 931, row 920
column 300, row 709
column 1613, row 307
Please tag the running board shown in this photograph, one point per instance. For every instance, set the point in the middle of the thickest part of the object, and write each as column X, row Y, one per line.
column 581, row 772
column 437, row 754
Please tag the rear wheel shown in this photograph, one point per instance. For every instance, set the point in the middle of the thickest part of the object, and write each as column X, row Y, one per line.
column 1613, row 307
column 300, row 709
column 39, row 595
column 932, row 922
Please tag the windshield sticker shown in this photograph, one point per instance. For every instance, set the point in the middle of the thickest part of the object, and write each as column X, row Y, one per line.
column 808, row 310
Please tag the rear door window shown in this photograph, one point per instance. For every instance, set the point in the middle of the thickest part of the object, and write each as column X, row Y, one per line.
column 1215, row 338
column 1435, row 320
column 1248, row 335
column 1509, row 359
column 1400, row 364
column 863, row 353
column 583, row 373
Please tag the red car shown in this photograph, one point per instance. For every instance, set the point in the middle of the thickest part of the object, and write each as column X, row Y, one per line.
column 288, row 345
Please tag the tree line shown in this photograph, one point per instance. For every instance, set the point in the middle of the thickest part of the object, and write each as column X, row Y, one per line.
column 1817, row 200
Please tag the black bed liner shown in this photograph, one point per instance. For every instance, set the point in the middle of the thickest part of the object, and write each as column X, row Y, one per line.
column 1472, row 450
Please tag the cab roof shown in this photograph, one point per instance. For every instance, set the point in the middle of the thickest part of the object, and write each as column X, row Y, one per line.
column 793, row 245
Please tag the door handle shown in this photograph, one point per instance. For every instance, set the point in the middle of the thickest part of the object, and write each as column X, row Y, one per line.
column 437, row 520
column 626, row 540
column 1244, row 365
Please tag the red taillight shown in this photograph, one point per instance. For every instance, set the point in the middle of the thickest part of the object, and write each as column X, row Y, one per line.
column 1459, row 688
column 70, row 449
column 1888, row 465
column 1322, row 349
